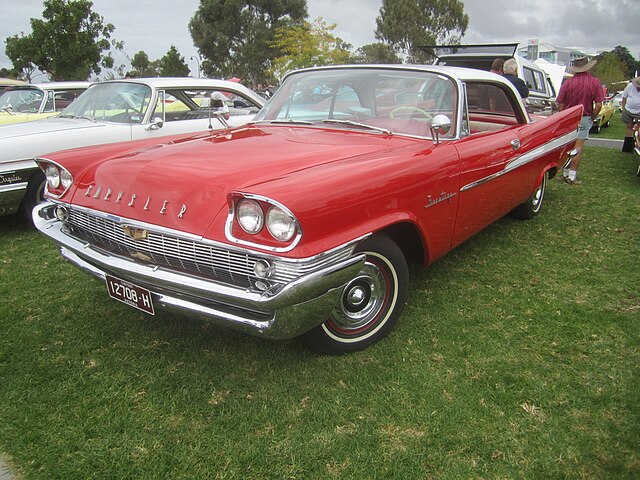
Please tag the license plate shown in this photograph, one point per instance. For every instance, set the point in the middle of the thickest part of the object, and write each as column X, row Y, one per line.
column 132, row 295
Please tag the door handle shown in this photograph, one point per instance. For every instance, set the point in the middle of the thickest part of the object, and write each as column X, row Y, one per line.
column 515, row 144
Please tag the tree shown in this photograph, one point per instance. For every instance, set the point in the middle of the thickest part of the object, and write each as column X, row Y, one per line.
column 234, row 36
column 70, row 43
column 170, row 65
column 377, row 53
column 308, row 45
column 610, row 71
column 631, row 65
column 405, row 24
column 6, row 73
column 142, row 66
column 21, row 50
column 173, row 65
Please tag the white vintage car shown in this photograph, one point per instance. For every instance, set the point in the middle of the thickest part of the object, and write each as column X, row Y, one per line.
column 29, row 102
column 116, row 111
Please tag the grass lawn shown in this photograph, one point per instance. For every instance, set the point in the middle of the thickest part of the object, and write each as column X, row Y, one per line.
column 518, row 356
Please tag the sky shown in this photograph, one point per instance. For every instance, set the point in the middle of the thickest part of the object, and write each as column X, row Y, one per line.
column 153, row 26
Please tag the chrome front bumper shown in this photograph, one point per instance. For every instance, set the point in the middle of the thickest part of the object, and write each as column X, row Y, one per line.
column 295, row 309
column 11, row 197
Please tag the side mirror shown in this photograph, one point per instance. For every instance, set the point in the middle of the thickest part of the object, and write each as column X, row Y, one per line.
column 440, row 125
column 156, row 124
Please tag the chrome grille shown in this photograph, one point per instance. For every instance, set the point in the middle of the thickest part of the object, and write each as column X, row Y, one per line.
column 198, row 258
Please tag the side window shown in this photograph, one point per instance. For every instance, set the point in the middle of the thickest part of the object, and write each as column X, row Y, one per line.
column 540, row 83
column 490, row 107
column 489, row 99
column 533, row 79
column 63, row 99
column 528, row 78
column 238, row 105
column 199, row 103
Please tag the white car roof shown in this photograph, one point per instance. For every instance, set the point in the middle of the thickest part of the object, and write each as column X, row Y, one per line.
column 461, row 73
column 58, row 85
column 189, row 82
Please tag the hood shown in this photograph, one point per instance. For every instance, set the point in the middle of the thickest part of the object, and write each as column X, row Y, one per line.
column 29, row 139
column 185, row 184
column 47, row 125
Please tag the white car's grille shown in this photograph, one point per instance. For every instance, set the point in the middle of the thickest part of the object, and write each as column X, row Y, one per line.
column 201, row 259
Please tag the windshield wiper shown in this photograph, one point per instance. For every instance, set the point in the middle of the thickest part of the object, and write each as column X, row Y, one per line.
column 282, row 122
column 85, row 117
column 358, row 125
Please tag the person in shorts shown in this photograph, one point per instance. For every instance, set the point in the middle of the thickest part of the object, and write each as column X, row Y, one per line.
column 630, row 110
column 586, row 90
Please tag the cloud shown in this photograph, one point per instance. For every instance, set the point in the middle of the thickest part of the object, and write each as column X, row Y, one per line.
column 589, row 24
column 153, row 26
column 355, row 19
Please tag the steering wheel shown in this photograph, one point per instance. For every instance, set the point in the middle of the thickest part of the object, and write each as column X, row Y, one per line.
column 405, row 109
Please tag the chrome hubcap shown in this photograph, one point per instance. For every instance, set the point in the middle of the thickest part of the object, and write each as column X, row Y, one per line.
column 539, row 194
column 362, row 299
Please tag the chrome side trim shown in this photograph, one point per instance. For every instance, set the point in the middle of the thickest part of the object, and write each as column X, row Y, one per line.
column 13, row 187
column 525, row 159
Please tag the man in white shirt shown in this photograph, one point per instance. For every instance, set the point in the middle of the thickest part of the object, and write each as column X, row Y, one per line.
column 630, row 109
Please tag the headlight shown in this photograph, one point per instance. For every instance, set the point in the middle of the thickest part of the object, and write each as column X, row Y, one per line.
column 65, row 179
column 58, row 179
column 250, row 216
column 53, row 176
column 281, row 225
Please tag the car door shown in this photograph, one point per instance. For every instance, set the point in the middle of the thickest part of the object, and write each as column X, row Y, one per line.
column 487, row 189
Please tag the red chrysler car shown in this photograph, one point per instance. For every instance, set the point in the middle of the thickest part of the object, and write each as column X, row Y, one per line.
column 303, row 222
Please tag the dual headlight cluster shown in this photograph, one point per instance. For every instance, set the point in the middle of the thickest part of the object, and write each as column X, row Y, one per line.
column 58, row 179
column 280, row 223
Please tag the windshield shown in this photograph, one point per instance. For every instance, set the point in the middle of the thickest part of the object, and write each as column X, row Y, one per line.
column 396, row 101
column 119, row 102
column 24, row 100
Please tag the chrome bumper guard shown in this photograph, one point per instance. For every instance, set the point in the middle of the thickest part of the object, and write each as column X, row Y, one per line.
column 295, row 309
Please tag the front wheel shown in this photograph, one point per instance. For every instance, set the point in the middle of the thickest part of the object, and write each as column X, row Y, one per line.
column 529, row 209
column 34, row 195
column 370, row 303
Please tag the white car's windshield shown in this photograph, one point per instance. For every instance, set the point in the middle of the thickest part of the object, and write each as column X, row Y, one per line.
column 394, row 101
column 24, row 100
column 119, row 102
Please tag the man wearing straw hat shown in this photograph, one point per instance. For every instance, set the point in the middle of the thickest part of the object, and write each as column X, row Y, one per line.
column 586, row 90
